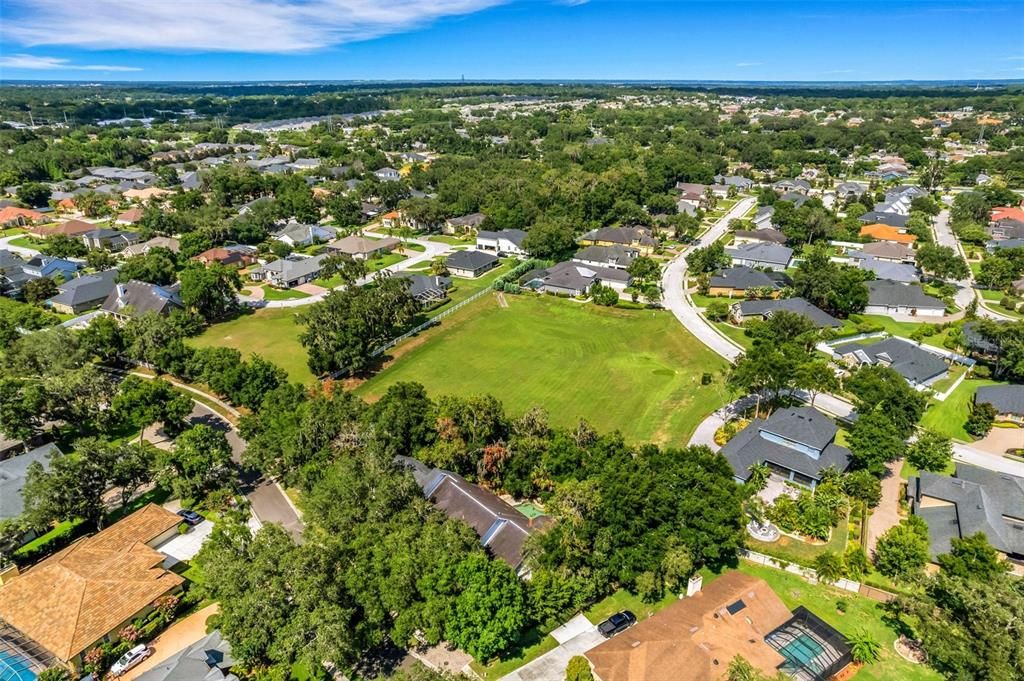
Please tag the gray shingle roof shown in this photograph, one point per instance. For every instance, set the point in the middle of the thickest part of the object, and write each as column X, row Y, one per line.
column 762, row 252
column 501, row 528
column 982, row 501
column 803, row 425
column 797, row 305
column 141, row 297
column 743, row 277
column 12, row 478
column 204, row 660
column 1007, row 399
column 86, row 289
column 891, row 219
column 767, row 235
column 893, row 293
column 901, row 272
column 516, row 236
column 907, row 359
column 470, row 260
column 619, row 255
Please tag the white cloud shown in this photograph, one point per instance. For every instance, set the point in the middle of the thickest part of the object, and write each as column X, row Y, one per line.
column 265, row 26
column 33, row 62
column 744, row 64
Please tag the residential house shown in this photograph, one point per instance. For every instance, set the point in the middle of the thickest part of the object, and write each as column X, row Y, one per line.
column 1006, row 229
column 639, row 238
column 763, row 217
column 691, row 194
column 736, row 282
column 741, row 183
column 798, row 444
column 1008, row 213
column 765, row 255
column 1008, row 401
column 889, row 171
column 796, row 198
column 289, row 272
column 795, row 185
column 502, row 529
column 427, row 290
column 470, row 264
column 237, row 255
column 902, row 272
column 576, row 279
column 892, row 219
column 297, row 235
column 764, row 309
column 503, row 242
column 977, row 345
column 13, row 473
column 919, row 367
column 130, row 217
column 85, row 594
column 972, row 500
column 363, row 248
column 50, row 267
column 891, row 297
column 387, row 174
column 618, row 257
column 71, row 228
column 736, row 615
column 882, row 232
column 846, row 191
column 391, row 219
column 464, row 224
column 112, row 240
column 83, row 293
column 146, row 194
column 769, row 235
column 1004, row 244
column 208, row 659
column 13, row 216
column 888, row 252
column 136, row 298
column 170, row 243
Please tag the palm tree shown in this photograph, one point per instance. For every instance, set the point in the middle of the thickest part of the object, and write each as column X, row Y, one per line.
column 830, row 567
column 863, row 648
column 759, row 474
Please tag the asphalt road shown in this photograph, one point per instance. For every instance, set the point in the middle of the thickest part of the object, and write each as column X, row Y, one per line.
column 944, row 237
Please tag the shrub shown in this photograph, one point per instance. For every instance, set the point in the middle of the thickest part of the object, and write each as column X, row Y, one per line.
column 578, row 670
column 717, row 310
column 981, row 419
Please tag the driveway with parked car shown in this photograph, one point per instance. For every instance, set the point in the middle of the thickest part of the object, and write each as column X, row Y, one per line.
column 575, row 637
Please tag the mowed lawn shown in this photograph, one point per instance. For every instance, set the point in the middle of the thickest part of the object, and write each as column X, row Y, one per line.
column 948, row 417
column 637, row 371
column 270, row 332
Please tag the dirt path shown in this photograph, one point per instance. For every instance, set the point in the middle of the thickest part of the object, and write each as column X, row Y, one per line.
column 887, row 513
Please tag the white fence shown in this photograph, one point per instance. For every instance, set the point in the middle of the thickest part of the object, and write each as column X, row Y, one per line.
column 805, row 573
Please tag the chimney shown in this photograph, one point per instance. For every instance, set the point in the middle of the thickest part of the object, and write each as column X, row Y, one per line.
column 694, row 585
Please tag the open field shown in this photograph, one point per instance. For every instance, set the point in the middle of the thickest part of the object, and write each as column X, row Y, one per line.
column 270, row 332
column 635, row 371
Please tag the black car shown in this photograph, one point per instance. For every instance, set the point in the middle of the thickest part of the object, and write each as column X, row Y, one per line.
column 617, row 623
column 190, row 517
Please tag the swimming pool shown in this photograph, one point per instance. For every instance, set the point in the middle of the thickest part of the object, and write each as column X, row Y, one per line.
column 802, row 653
column 14, row 667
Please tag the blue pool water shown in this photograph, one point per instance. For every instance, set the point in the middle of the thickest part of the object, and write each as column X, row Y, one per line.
column 15, row 668
column 802, row 652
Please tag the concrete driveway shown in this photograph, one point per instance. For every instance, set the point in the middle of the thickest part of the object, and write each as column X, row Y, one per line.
column 185, row 546
column 174, row 638
column 575, row 637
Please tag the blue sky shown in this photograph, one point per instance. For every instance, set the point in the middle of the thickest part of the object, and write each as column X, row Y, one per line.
column 95, row 40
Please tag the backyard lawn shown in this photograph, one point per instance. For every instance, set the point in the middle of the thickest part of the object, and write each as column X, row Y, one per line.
column 271, row 333
column 861, row 614
column 948, row 417
column 635, row 371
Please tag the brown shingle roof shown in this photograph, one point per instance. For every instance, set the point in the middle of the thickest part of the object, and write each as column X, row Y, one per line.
column 696, row 638
column 74, row 598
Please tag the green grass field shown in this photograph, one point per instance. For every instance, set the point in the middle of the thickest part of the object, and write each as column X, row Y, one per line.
column 269, row 332
column 948, row 417
column 271, row 293
column 635, row 371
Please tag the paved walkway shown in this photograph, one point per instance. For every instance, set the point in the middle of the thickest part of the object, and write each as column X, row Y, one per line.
column 887, row 513
column 994, row 462
column 174, row 638
column 5, row 244
column 576, row 637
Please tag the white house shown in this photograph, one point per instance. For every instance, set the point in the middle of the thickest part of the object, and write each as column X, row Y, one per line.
column 504, row 242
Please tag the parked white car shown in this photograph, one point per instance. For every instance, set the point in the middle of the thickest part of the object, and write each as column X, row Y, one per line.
column 130, row 659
